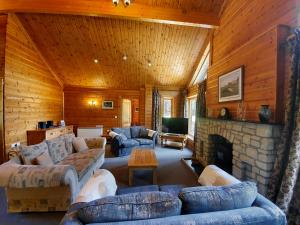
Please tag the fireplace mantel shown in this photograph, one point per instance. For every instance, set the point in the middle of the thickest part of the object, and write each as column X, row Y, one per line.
column 253, row 147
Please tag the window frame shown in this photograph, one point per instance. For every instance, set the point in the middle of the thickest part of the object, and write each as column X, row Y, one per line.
column 163, row 110
column 190, row 99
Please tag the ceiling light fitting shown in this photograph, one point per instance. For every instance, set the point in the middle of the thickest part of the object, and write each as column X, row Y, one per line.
column 149, row 63
column 127, row 2
column 115, row 2
column 96, row 61
column 125, row 57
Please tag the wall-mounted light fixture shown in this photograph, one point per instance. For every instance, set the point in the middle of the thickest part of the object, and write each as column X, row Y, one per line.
column 92, row 103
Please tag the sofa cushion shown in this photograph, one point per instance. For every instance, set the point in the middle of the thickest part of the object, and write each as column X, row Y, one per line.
column 125, row 131
column 211, row 198
column 79, row 144
column 136, row 206
column 130, row 143
column 145, row 188
column 135, row 131
column 144, row 141
column 143, row 133
column 172, row 189
column 83, row 160
column 28, row 153
column 123, row 137
column 94, row 142
column 69, row 143
column 44, row 159
column 57, row 149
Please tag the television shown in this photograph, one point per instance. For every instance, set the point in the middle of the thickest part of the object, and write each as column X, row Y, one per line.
column 175, row 125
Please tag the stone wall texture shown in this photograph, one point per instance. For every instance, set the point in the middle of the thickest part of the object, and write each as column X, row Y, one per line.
column 253, row 147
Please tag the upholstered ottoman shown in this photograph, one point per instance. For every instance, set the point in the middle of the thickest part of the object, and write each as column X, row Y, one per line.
column 100, row 185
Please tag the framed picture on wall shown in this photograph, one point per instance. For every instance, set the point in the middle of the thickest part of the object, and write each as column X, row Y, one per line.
column 231, row 85
column 107, row 105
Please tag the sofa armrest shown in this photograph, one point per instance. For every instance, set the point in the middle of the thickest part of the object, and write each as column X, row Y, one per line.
column 154, row 137
column 31, row 176
column 98, row 142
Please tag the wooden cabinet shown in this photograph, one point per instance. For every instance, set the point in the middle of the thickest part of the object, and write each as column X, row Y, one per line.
column 37, row 136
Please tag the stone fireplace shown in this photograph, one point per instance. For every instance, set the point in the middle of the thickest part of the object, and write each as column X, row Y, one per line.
column 253, row 147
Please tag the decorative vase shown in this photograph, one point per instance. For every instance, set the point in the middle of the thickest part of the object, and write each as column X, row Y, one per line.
column 264, row 114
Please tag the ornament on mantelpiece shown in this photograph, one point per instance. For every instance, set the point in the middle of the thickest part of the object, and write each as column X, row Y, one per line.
column 265, row 114
column 241, row 111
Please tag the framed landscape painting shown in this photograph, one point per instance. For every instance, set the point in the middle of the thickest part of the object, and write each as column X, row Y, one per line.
column 231, row 85
column 107, row 105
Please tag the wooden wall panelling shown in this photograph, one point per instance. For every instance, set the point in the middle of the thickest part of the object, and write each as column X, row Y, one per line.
column 3, row 26
column 64, row 40
column 248, row 36
column 77, row 110
column 202, row 14
column 32, row 94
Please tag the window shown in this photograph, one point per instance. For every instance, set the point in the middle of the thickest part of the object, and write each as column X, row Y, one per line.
column 201, row 72
column 167, row 107
column 192, row 115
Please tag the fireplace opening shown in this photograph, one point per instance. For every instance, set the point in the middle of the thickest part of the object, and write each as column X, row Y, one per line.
column 222, row 152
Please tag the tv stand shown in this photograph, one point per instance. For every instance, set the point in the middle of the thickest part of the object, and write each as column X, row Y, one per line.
column 178, row 139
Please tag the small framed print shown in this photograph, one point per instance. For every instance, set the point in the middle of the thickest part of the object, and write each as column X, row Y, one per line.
column 231, row 85
column 107, row 105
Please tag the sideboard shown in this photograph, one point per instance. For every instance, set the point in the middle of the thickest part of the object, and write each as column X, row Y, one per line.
column 39, row 135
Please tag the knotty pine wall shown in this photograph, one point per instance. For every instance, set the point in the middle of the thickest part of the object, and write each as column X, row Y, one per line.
column 31, row 92
column 249, row 35
column 78, row 112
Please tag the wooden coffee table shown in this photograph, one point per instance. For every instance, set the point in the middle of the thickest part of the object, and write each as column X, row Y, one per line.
column 141, row 159
column 177, row 138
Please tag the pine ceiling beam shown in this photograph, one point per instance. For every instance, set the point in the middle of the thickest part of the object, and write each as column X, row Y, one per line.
column 136, row 11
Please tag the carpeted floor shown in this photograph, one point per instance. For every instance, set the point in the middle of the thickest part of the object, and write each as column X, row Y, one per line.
column 171, row 170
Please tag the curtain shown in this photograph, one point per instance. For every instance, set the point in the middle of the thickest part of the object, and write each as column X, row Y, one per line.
column 200, row 106
column 284, row 184
column 156, row 109
column 183, row 104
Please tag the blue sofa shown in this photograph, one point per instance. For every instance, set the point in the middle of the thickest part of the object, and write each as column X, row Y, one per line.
column 132, row 137
column 260, row 212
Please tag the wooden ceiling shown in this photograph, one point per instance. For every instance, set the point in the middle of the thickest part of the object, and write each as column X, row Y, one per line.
column 148, row 31
column 71, row 43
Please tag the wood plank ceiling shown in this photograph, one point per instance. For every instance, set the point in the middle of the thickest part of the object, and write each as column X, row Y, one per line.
column 70, row 43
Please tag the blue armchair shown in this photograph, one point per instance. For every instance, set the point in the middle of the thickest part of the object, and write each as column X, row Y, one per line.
column 130, row 138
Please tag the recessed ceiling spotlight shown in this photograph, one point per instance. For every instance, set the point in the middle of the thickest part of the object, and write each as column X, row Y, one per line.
column 115, row 2
column 96, row 61
column 125, row 57
column 149, row 63
column 127, row 2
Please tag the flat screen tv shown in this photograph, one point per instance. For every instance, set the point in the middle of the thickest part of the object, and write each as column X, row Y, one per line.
column 175, row 125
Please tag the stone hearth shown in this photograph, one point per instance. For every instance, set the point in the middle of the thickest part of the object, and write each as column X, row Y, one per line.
column 253, row 147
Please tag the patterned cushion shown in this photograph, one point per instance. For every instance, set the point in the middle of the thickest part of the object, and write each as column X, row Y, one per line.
column 144, row 141
column 69, row 140
column 143, row 133
column 136, row 206
column 125, row 131
column 93, row 142
column 57, row 149
column 83, row 160
column 212, row 198
column 28, row 153
column 129, row 143
column 44, row 159
column 79, row 144
column 135, row 131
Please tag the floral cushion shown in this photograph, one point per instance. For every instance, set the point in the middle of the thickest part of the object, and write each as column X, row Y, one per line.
column 29, row 153
column 82, row 160
column 57, row 149
column 69, row 140
column 129, row 207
